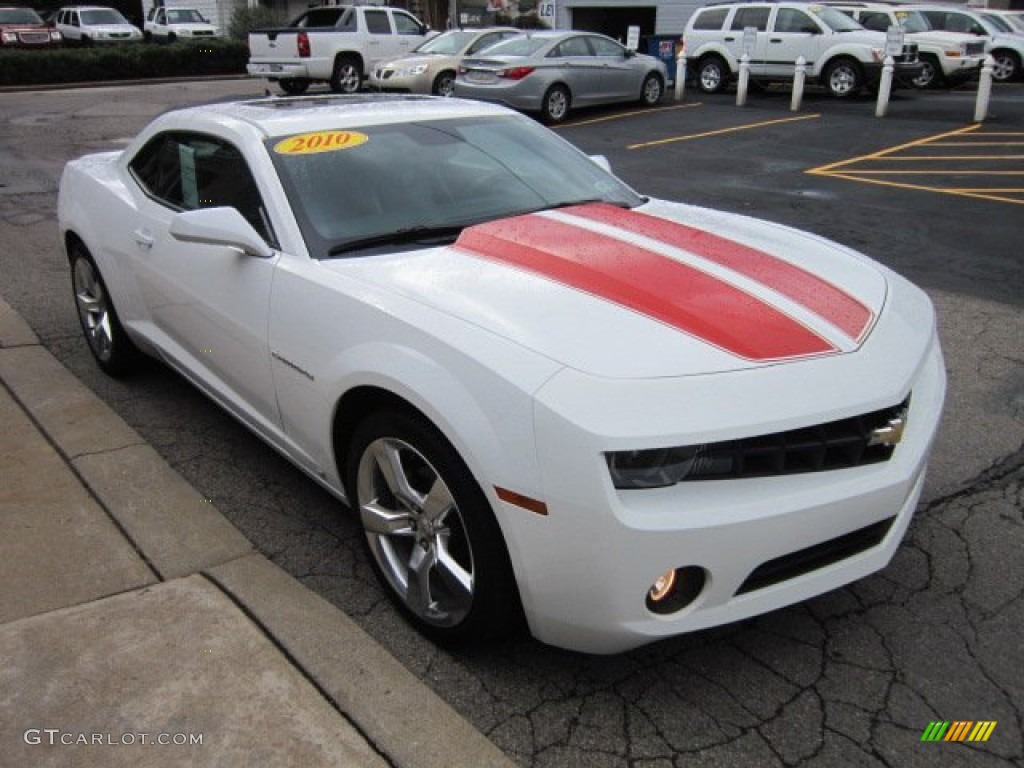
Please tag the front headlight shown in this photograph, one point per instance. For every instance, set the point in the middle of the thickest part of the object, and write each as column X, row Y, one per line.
column 10, row 37
column 655, row 468
column 419, row 69
column 185, row 32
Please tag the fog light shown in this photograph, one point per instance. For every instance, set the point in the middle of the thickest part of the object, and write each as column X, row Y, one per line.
column 675, row 589
column 663, row 587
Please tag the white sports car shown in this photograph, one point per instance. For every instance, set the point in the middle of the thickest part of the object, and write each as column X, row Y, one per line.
column 547, row 396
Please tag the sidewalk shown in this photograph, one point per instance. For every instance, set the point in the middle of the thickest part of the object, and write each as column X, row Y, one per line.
column 139, row 628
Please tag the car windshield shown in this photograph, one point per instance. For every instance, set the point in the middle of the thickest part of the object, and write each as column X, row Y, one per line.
column 997, row 21
column 837, row 21
column 1015, row 21
column 421, row 182
column 185, row 16
column 102, row 16
column 518, row 46
column 912, row 21
column 448, row 43
column 19, row 16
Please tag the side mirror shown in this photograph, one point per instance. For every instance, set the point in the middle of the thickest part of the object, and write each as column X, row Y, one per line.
column 220, row 226
column 602, row 162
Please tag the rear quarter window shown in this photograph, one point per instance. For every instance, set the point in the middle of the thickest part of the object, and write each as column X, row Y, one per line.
column 712, row 18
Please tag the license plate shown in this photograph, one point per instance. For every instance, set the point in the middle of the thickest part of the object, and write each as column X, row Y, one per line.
column 479, row 77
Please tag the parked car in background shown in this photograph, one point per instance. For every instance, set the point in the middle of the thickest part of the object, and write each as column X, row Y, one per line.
column 841, row 55
column 552, row 72
column 432, row 67
column 24, row 28
column 338, row 44
column 166, row 25
column 93, row 24
column 947, row 58
column 1006, row 48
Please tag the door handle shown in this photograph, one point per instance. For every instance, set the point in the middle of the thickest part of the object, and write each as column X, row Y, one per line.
column 775, row 40
column 143, row 238
column 730, row 39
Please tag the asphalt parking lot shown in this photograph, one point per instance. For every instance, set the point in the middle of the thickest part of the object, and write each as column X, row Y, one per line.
column 853, row 677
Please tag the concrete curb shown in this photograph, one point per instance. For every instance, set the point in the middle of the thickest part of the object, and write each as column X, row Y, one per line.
column 179, row 534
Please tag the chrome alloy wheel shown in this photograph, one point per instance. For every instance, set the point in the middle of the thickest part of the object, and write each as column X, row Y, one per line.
column 415, row 531
column 93, row 309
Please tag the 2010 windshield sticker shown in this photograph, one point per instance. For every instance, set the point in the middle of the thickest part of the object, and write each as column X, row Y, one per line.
column 320, row 141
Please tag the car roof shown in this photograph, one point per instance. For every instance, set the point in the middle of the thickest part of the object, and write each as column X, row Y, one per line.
column 276, row 116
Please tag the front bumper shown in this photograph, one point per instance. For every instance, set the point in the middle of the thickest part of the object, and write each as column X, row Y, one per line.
column 585, row 568
column 395, row 83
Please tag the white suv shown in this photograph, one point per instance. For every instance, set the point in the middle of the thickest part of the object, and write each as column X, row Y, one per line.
column 89, row 24
column 947, row 58
column 170, row 24
column 840, row 53
column 1007, row 48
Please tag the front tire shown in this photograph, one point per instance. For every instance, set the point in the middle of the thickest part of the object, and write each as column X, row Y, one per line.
column 931, row 74
column 1006, row 66
column 444, row 84
column 554, row 107
column 843, row 78
column 652, row 90
column 430, row 532
column 712, row 74
column 113, row 351
column 347, row 76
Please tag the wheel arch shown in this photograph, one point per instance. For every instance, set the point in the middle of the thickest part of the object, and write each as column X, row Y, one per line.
column 350, row 54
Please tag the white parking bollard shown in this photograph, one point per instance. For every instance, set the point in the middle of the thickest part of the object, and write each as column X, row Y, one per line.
column 680, row 73
column 885, row 87
column 984, row 90
column 741, row 85
column 799, row 78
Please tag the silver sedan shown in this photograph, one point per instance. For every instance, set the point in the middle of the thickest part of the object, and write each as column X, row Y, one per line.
column 553, row 71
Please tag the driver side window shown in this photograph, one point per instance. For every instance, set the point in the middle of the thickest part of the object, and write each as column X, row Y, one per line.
column 187, row 171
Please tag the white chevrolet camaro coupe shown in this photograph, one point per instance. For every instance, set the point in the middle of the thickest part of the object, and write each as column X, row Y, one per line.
column 547, row 397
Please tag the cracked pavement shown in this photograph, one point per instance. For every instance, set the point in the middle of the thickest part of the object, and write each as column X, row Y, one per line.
column 851, row 678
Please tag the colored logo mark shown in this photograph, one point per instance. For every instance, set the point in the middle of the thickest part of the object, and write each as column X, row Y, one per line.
column 959, row 730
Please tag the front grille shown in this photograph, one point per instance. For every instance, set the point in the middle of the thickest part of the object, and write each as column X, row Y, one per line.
column 812, row 558
column 838, row 444
column 909, row 55
column 34, row 38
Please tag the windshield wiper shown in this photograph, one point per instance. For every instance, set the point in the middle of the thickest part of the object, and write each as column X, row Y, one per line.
column 418, row 234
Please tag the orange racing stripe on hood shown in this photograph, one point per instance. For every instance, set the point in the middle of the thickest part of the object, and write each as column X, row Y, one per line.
column 646, row 282
column 821, row 297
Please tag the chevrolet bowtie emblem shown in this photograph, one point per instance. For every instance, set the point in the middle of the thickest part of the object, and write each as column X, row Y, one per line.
column 890, row 434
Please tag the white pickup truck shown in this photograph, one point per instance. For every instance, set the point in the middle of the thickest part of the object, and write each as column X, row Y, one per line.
column 339, row 44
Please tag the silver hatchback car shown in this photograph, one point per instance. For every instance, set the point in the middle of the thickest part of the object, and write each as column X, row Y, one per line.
column 553, row 71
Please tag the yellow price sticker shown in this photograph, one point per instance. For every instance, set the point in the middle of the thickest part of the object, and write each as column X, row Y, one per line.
column 320, row 141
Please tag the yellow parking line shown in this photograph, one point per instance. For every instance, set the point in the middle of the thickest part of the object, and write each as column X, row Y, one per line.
column 920, row 188
column 827, row 170
column 977, row 144
column 645, row 111
column 931, row 173
column 915, row 158
column 721, row 131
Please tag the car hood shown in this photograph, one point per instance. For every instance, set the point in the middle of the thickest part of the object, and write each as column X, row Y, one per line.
column 110, row 28
column 431, row 60
column 22, row 27
column 662, row 290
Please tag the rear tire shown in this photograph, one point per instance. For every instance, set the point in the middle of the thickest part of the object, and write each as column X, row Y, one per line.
column 113, row 351
column 554, row 107
column 294, row 86
column 347, row 76
column 712, row 74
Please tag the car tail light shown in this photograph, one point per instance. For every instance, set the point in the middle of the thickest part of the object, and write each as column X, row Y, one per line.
column 515, row 73
column 303, row 41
